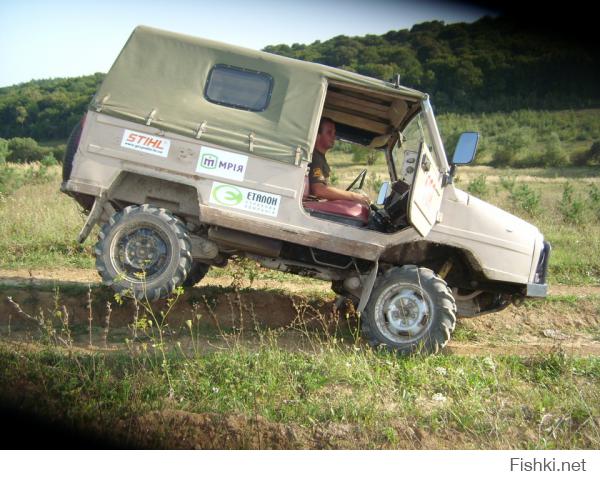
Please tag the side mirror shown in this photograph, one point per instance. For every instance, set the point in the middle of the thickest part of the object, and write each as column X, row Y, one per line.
column 465, row 148
column 383, row 191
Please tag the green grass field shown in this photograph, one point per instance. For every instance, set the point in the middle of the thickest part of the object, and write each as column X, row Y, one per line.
column 39, row 225
column 373, row 398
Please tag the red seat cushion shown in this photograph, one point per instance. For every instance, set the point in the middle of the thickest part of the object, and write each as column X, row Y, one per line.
column 345, row 208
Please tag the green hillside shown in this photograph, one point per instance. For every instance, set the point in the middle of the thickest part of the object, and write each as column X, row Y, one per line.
column 45, row 109
column 490, row 65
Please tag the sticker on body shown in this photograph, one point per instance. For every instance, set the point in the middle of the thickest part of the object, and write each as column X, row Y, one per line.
column 143, row 142
column 223, row 164
column 245, row 199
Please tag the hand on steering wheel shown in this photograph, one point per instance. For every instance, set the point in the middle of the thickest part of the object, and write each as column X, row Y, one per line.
column 362, row 198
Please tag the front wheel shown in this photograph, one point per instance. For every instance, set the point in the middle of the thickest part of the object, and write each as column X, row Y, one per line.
column 144, row 250
column 410, row 310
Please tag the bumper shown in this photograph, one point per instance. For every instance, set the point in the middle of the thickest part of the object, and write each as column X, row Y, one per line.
column 540, row 287
column 537, row 290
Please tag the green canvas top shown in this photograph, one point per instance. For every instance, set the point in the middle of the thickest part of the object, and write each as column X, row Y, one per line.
column 162, row 76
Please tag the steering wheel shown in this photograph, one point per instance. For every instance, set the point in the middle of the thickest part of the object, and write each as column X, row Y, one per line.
column 361, row 177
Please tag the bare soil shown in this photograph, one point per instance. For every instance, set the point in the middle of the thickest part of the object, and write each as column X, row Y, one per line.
column 20, row 277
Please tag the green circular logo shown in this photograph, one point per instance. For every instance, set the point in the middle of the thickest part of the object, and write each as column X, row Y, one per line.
column 227, row 195
column 209, row 161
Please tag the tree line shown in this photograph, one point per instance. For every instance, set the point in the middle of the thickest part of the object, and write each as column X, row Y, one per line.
column 490, row 65
column 46, row 110
column 493, row 64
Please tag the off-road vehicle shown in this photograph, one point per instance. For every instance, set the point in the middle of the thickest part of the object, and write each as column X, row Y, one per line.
column 194, row 151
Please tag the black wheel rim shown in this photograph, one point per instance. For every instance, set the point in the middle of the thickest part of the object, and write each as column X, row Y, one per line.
column 140, row 253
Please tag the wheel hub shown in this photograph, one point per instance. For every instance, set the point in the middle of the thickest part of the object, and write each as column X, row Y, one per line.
column 141, row 253
column 407, row 313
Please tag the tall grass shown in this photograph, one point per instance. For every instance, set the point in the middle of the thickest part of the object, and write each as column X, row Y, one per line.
column 38, row 224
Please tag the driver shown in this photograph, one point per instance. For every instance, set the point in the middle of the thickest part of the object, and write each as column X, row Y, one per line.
column 318, row 175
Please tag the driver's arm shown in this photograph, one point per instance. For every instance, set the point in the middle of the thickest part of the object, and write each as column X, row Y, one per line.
column 327, row 192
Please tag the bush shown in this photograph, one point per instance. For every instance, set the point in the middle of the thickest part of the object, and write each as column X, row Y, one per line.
column 12, row 177
column 25, row 150
column 526, row 199
column 342, row 146
column 589, row 157
column 579, row 158
column 508, row 183
column 478, row 186
column 4, row 150
column 9, row 179
column 504, row 157
column 534, row 161
column 594, row 199
column 571, row 208
column 594, row 154
column 49, row 160
column 333, row 178
column 59, row 152
column 364, row 155
column 510, row 146
column 554, row 153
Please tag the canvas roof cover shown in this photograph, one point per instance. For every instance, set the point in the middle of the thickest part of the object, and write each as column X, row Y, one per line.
column 163, row 75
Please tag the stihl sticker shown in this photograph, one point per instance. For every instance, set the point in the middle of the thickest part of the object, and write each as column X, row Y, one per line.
column 245, row 199
column 142, row 142
column 220, row 163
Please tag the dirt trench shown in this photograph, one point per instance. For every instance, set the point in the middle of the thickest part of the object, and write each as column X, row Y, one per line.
column 216, row 308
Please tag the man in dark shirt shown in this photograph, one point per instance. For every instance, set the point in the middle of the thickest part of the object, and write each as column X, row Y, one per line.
column 318, row 175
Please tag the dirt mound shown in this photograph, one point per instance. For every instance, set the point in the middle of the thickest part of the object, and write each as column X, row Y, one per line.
column 177, row 429
column 173, row 429
column 571, row 322
column 218, row 307
column 77, row 276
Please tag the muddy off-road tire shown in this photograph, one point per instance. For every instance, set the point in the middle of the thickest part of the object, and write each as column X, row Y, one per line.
column 410, row 310
column 144, row 250
column 196, row 273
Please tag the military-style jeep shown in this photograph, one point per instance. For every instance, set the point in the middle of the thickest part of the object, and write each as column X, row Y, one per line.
column 194, row 151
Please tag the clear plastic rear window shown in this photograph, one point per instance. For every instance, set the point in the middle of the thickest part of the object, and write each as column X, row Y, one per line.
column 239, row 88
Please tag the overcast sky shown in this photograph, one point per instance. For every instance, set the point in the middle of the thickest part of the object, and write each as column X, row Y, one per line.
column 64, row 38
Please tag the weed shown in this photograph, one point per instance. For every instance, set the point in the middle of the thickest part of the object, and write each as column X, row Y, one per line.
column 508, row 182
column 571, row 208
column 525, row 199
column 464, row 334
column 594, row 200
column 241, row 269
column 374, row 183
column 478, row 186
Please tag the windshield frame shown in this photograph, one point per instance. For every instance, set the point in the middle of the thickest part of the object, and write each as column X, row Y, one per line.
column 429, row 131
column 407, row 144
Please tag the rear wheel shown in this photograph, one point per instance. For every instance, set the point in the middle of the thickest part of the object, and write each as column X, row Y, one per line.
column 410, row 310
column 144, row 250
